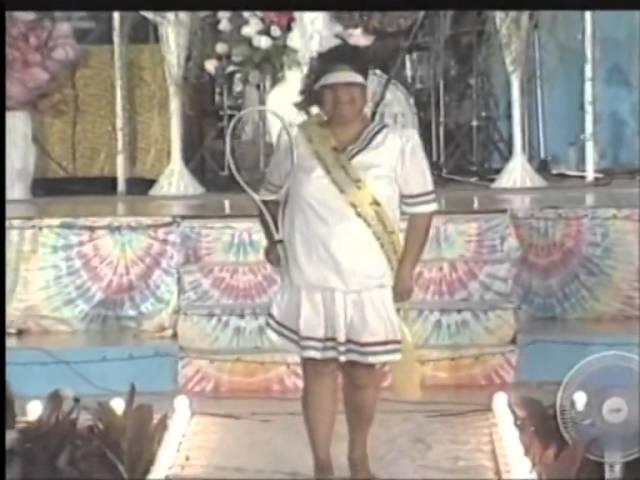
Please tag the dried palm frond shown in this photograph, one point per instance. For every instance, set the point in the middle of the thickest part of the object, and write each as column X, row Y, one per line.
column 106, row 446
column 132, row 438
column 138, row 447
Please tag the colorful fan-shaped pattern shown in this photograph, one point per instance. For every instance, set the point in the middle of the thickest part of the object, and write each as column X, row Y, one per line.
column 455, row 328
column 276, row 377
column 201, row 376
column 476, row 366
column 468, row 258
column 465, row 280
column 209, row 277
column 225, row 333
column 580, row 264
column 457, row 237
column 249, row 375
column 102, row 274
column 223, row 265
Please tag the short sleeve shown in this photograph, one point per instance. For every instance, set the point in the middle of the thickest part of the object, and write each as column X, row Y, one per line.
column 417, row 192
column 279, row 167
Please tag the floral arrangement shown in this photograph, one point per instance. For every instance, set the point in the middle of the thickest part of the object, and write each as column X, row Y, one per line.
column 39, row 52
column 255, row 42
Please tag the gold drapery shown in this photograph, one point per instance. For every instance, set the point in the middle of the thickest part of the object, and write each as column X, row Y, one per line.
column 79, row 132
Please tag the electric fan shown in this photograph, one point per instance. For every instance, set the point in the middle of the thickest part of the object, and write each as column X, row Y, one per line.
column 597, row 406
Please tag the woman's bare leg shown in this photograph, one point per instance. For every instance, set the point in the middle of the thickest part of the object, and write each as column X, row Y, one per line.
column 319, row 408
column 360, row 390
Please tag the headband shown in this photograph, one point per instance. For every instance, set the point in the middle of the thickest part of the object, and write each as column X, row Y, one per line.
column 341, row 75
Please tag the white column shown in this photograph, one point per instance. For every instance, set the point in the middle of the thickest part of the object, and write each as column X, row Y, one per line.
column 20, row 154
column 120, row 87
column 590, row 145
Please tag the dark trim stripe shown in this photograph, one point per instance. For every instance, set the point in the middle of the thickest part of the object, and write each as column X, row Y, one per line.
column 417, row 195
column 419, row 201
column 365, row 141
column 419, row 209
column 333, row 351
column 331, row 345
column 362, row 139
column 377, row 344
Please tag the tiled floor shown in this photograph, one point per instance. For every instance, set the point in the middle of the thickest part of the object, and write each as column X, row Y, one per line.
column 266, row 439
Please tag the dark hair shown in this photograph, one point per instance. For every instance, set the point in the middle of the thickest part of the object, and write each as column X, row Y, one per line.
column 356, row 58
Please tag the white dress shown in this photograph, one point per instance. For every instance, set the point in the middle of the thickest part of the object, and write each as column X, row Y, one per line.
column 336, row 297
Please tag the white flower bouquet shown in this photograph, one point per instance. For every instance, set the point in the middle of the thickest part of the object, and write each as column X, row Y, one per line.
column 252, row 41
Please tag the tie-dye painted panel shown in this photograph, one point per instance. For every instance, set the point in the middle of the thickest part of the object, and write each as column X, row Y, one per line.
column 462, row 237
column 226, row 333
column 579, row 264
column 260, row 375
column 461, row 328
column 223, row 266
column 93, row 274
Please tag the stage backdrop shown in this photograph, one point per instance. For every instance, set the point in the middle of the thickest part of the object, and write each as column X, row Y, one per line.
column 617, row 88
column 617, row 66
column 205, row 281
column 78, row 135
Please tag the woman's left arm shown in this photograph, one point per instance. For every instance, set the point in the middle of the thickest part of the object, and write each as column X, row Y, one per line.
column 415, row 239
column 414, row 242
column 418, row 200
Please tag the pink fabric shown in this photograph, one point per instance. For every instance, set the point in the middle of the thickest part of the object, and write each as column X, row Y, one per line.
column 38, row 52
column 280, row 18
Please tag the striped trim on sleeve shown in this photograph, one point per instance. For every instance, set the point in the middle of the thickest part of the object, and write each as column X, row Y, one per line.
column 424, row 202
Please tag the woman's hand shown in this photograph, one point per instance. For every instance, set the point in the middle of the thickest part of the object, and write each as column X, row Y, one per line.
column 403, row 283
column 272, row 254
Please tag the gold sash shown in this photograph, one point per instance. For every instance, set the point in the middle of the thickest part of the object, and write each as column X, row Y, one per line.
column 354, row 189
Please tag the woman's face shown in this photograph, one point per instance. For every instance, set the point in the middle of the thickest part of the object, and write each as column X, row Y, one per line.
column 343, row 103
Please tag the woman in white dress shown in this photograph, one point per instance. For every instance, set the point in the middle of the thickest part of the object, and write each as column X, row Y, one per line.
column 346, row 265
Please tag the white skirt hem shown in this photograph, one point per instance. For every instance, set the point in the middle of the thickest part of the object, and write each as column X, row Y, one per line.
column 329, row 324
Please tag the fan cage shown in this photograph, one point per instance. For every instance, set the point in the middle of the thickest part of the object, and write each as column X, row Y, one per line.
column 571, row 384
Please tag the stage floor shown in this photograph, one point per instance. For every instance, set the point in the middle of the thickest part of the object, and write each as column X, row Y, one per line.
column 454, row 198
column 265, row 438
column 447, row 435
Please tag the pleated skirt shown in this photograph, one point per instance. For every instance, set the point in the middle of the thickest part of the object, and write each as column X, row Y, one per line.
column 360, row 326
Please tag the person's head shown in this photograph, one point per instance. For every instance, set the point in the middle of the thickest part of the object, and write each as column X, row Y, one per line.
column 337, row 84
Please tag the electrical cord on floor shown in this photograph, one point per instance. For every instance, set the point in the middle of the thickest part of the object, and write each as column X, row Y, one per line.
column 259, row 416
